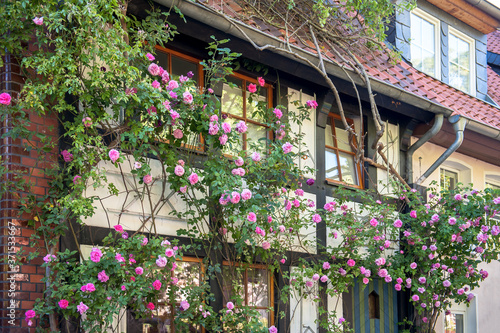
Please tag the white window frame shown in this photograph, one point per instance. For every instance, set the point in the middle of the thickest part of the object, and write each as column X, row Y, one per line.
column 492, row 178
column 472, row 58
column 437, row 41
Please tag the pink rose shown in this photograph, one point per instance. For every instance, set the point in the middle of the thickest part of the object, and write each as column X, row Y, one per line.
column 239, row 162
column 147, row 179
column 230, row 305
column 278, row 113
column 154, row 69
column 184, row 305
column 226, row 127
column 87, row 122
column 255, row 157
column 287, row 147
column 150, row 306
column 67, row 156
column 398, row 223
column 351, row 263
column 261, row 81
column 5, row 98
column 183, row 189
column 252, row 87
column 118, row 228
column 235, row 197
column 316, row 218
column 150, row 56
column 373, row 222
column 252, row 217
column 102, row 276
column 187, row 97
column 223, row 139
column 38, row 20
column 193, row 178
column 179, row 170
column 178, row 134
column 139, row 270
column 157, row 285
column 82, row 308
column 173, row 85
column 312, row 104
column 315, row 277
column 96, row 254
column 114, row 155
column 63, row 304
column 155, row 84
column 413, row 214
column 169, row 253
column 241, row 127
column 266, row 245
column 246, row 194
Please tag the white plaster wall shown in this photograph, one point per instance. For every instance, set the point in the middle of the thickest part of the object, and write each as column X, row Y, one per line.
column 303, row 311
column 308, row 128
column 133, row 211
column 390, row 139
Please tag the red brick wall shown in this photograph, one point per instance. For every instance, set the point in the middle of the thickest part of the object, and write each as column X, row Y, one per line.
column 25, row 278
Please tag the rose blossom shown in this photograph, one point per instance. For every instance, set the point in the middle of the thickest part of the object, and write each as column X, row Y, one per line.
column 157, row 285
column 147, row 179
column 178, row 170
column 96, row 254
column 241, row 127
column 139, row 270
column 312, row 104
column 316, row 218
column 102, row 276
column 67, row 156
column 38, row 20
column 63, row 304
column 114, row 155
column 266, row 245
column 255, row 157
column 351, row 263
column 82, row 308
column 193, row 178
column 398, row 223
column 5, row 99
column 87, row 121
column 287, row 147
column 246, row 194
column 187, row 97
column 252, row 87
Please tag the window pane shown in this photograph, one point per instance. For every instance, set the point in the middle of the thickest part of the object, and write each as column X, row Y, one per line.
column 449, row 179
column 182, row 66
column 329, row 135
column 254, row 133
column 342, row 136
column 460, row 62
column 423, row 45
column 232, row 97
column 454, row 323
column 251, row 107
column 258, row 284
column 348, row 168
column 332, row 170
column 162, row 59
column 232, row 283
column 264, row 319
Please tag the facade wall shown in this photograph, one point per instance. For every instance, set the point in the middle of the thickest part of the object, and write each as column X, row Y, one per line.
column 21, row 285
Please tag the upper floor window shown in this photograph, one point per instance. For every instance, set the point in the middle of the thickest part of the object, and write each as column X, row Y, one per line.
column 461, row 61
column 235, row 102
column 340, row 156
column 454, row 323
column 425, row 43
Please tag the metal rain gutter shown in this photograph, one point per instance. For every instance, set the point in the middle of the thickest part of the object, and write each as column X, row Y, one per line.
column 458, row 124
column 438, row 122
column 486, row 7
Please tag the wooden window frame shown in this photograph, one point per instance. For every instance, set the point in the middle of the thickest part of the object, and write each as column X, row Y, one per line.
column 245, row 81
column 360, row 185
column 270, row 287
column 169, row 305
column 201, row 83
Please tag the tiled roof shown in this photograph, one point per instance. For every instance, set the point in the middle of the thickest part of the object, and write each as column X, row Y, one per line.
column 494, row 85
column 401, row 75
column 494, row 42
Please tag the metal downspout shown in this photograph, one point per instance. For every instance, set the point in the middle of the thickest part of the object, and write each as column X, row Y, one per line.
column 438, row 122
column 458, row 124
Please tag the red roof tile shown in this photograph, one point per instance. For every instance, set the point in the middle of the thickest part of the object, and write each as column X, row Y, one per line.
column 404, row 76
column 494, row 42
column 494, row 85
